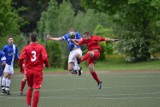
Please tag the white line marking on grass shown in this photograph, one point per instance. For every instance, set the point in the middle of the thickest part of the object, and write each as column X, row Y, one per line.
column 81, row 98
column 93, row 88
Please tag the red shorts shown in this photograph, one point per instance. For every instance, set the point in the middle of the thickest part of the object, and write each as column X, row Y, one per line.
column 95, row 57
column 34, row 78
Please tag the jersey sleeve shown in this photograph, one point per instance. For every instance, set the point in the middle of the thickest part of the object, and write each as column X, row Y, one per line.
column 64, row 37
column 21, row 59
column 78, row 36
column 45, row 57
column 98, row 38
column 82, row 41
column 17, row 55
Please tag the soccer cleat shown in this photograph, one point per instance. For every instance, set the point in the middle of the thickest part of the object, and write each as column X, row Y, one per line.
column 3, row 91
column 20, row 93
column 100, row 85
column 8, row 92
column 74, row 72
column 80, row 71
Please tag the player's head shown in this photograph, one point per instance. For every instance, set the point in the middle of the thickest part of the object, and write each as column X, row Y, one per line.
column 71, row 33
column 10, row 40
column 33, row 37
column 86, row 35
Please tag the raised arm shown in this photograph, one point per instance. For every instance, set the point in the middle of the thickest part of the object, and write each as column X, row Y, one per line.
column 52, row 38
column 111, row 40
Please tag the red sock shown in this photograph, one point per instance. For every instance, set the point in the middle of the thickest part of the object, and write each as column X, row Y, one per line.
column 35, row 98
column 29, row 96
column 95, row 76
column 85, row 57
column 23, row 83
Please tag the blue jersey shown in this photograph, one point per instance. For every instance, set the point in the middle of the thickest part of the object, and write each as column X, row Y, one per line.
column 10, row 52
column 70, row 44
column 2, row 58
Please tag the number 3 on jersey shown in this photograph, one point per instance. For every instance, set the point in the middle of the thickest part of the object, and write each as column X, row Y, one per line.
column 33, row 56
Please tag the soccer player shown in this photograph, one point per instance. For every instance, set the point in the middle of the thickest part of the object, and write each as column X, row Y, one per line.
column 11, row 52
column 2, row 64
column 93, row 52
column 35, row 57
column 75, row 51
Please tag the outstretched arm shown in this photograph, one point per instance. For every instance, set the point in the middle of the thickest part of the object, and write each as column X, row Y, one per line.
column 52, row 38
column 111, row 40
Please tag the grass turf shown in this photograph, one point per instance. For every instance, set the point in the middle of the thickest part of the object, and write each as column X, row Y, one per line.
column 120, row 89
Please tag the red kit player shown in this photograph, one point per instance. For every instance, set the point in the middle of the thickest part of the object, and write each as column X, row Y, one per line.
column 35, row 57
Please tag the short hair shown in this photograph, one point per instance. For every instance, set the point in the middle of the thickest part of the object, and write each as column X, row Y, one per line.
column 33, row 37
column 86, row 33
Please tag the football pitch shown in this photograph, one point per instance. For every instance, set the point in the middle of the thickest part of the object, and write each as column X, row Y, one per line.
column 120, row 89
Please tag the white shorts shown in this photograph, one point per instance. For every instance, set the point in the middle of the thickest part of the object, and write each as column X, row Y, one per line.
column 72, row 55
column 8, row 69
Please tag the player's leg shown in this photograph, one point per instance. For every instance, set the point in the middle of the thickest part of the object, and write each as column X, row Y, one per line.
column 91, row 59
column 37, row 85
column 0, row 76
column 36, row 96
column 71, row 60
column 8, row 82
column 8, row 79
column 3, row 85
column 30, row 89
column 5, row 73
column 22, row 85
column 77, row 55
column 29, row 96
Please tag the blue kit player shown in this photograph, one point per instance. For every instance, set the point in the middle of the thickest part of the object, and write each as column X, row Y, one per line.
column 75, row 51
column 2, row 64
column 11, row 52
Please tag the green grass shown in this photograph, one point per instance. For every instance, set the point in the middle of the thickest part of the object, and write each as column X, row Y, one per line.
column 120, row 64
column 125, row 89
column 116, row 64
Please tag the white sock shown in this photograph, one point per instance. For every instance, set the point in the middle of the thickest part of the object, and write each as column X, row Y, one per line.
column 0, row 80
column 76, row 66
column 8, row 82
column 3, row 81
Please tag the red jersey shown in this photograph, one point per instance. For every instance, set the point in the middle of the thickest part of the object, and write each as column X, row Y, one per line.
column 35, row 56
column 92, row 43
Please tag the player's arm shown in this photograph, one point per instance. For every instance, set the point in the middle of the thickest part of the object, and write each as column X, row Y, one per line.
column 45, row 57
column 53, row 38
column 21, row 60
column 78, row 42
column 108, row 39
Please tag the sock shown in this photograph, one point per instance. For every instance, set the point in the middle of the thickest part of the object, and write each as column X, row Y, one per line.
column 3, row 82
column 76, row 67
column 29, row 96
column 95, row 76
column 85, row 57
column 35, row 98
column 0, row 80
column 8, row 82
column 23, row 83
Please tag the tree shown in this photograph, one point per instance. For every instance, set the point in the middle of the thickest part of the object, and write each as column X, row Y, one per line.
column 138, row 21
column 30, row 11
column 9, row 21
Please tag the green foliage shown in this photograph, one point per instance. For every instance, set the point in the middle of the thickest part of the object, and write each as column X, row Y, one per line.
column 54, row 53
column 138, row 17
column 9, row 18
column 107, row 47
